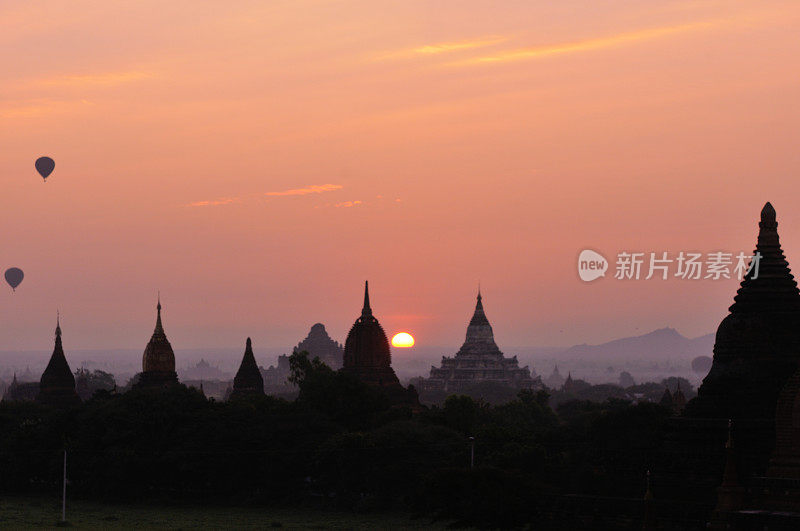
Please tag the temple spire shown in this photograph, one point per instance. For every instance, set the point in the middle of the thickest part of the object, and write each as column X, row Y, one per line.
column 248, row 379
column 158, row 360
column 768, row 212
column 479, row 317
column 159, row 328
column 57, row 384
column 366, row 311
column 770, row 287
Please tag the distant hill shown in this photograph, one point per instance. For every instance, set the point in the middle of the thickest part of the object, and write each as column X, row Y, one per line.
column 661, row 344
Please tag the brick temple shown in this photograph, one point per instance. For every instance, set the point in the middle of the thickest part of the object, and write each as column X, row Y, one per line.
column 479, row 360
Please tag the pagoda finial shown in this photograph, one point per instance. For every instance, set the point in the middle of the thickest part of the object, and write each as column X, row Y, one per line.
column 366, row 310
column 768, row 226
column 249, row 345
column 159, row 326
column 58, row 323
column 768, row 212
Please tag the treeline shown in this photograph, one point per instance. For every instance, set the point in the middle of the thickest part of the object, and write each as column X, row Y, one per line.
column 340, row 443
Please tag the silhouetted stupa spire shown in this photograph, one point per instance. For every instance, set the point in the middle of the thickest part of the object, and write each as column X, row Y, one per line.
column 57, row 384
column 248, row 379
column 159, row 327
column 774, row 289
column 366, row 310
column 480, row 336
column 479, row 317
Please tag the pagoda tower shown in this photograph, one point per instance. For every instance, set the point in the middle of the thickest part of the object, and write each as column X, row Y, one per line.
column 158, row 361
column 367, row 356
column 757, row 346
column 57, row 385
column 479, row 360
column 248, row 380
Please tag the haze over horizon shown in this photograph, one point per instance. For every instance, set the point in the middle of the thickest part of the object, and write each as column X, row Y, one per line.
column 258, row 165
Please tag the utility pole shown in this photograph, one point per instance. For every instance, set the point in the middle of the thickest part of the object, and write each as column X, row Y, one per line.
column 64, row 491
column 472, row 452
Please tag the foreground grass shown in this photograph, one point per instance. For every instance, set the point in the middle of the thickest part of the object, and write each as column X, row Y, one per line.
column 16, row 513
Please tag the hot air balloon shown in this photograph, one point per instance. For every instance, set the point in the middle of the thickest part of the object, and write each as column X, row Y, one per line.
column 702, row 364
column 45, row 166
column 14, row 277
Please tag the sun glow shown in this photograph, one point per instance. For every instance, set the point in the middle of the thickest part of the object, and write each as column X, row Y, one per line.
column 403, row 340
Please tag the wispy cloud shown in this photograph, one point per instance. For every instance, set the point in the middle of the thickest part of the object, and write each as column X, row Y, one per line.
column 447, row 47
column 441, row 48
column 347, row 204
column 610, row 41
column 215, row 202
column 310, row 189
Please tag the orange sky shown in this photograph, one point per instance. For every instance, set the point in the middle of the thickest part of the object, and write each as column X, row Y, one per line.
column 257, row 161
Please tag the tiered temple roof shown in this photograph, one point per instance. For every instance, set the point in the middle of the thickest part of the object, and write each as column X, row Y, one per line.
column 479, row 360
column 248, row 380
column 319, row 344
column 158, row 360
column 57, row 385
column 757, row 346
column 18, row 390
column 757, row 350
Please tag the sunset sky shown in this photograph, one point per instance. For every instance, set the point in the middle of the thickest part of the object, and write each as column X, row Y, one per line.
column 257, row 161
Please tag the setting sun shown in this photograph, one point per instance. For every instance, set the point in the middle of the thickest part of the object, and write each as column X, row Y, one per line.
column 403, row 340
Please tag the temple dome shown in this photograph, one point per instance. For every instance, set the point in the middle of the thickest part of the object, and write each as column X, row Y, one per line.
column 367, row 357
column 367, row 344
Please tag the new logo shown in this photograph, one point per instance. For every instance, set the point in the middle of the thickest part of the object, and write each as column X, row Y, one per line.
column 591, row 265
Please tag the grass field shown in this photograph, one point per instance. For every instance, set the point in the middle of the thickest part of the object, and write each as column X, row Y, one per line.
column 39, row 513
